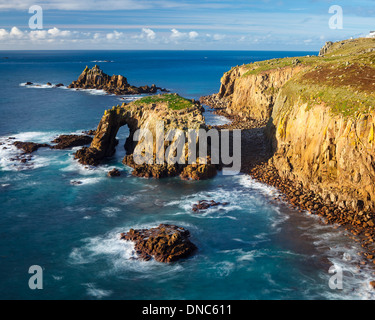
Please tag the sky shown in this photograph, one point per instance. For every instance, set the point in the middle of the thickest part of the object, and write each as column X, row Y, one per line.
column 280, row 25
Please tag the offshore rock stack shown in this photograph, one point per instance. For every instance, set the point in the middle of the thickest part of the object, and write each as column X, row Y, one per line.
column 95, row 78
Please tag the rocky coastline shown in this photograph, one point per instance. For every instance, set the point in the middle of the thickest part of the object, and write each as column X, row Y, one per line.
column 320, row 158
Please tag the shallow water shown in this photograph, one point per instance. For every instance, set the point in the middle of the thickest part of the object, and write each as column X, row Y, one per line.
column 254, row 248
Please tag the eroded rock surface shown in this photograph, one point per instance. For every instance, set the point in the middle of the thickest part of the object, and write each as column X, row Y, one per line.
column 166, row 243
column 95, row 78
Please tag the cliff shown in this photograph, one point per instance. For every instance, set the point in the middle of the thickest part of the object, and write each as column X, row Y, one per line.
column 95, row 78
column 154, row 113
column 321, row 119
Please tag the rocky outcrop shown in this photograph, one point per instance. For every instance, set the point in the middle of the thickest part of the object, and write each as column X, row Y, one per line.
column 325, row 48
column 95, row 78
column 29, row 147
column 166, row 243
column 161, row 116
column 114, row 173
column 205, row 204
column 70, row 141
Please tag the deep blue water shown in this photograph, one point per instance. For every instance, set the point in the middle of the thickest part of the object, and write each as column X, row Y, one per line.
column 254, row 248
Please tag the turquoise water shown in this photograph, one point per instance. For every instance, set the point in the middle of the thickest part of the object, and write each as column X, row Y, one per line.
column 254, row 248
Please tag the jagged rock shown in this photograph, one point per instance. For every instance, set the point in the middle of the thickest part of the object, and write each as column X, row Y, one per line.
column 70, row 141
column 199, row 172
column 30, row 147
column 95, row 78
column 325, row 48
column 156, row 171
column 114, row 173
column 59, row 85
column 29, row 83
column 166, row 243
column 205, row 204
column 90, row 132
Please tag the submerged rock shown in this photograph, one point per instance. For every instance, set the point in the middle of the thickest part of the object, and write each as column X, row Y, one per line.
column 114, row 173
column 166, row 243
column 205, row 204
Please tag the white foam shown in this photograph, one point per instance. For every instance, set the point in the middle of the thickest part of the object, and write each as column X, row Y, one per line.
column 111, row 212
column 249, row 182
column 38, row 86
column 96, row 292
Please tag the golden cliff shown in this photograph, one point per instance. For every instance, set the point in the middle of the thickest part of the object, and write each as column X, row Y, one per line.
column 321, row 118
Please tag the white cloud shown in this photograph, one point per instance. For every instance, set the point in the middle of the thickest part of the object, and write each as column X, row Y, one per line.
column 114, row 35
column 3, row 34
column 193, row 35
column 55, row 32
column 16, row 33
column 177, row 35
column 150, row 34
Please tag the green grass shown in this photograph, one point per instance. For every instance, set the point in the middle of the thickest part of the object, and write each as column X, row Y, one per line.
column 340, row 100
column 174, row 101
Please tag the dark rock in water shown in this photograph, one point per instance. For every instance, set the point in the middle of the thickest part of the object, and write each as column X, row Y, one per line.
column 59, row 85
column 70, row 141
column 49, row 84
column 166, row 243
column 89, row 156
column 205, row 204
column 76, row 183
column 30, row 147
column 95, row 78
column 114, row 173
column 29, row 83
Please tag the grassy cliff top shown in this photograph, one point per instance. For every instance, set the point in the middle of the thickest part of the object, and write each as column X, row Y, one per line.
column 342, row 79
column 174, row 101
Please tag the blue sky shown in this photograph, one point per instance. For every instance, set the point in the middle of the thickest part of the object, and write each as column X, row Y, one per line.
column 187, row 24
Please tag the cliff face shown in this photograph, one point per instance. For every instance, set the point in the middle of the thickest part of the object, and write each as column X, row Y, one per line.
column 331, row 154
column 252, row 94
column 321, row 118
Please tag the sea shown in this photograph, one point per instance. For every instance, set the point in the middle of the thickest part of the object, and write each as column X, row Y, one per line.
column 255, row 248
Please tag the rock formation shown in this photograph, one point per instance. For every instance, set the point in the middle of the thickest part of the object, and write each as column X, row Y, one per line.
column 166, row 243
column 169, row 111
column 29, row 147
column 95, row 78
column 70, row 141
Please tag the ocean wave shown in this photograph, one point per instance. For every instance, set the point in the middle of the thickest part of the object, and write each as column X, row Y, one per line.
column 120, row 255
column 102, row 61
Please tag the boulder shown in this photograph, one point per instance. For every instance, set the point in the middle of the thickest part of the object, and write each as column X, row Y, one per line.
column 166, row 243
column 114, row 173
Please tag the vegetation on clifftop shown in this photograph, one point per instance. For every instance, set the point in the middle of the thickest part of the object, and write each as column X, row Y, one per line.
column 343, row 79
column 174, row 101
